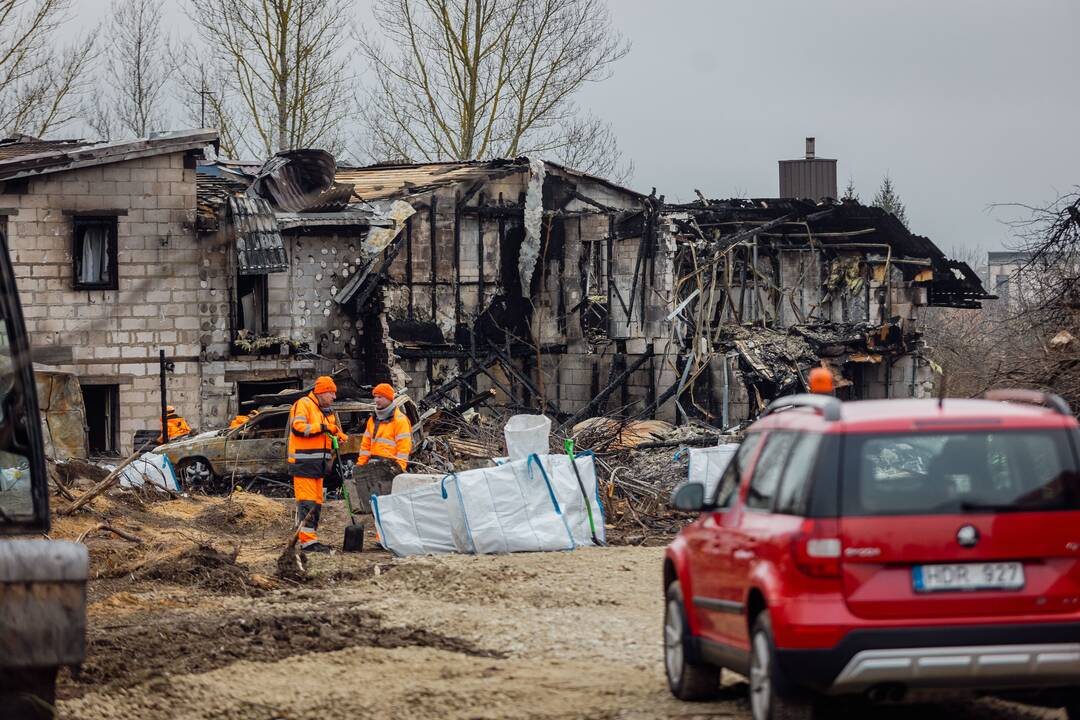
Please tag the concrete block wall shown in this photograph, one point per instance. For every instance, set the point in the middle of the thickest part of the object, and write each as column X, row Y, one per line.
column 113, row 336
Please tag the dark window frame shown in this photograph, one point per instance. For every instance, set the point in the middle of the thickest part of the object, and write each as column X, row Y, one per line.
column 261, row 290
column 79, row 223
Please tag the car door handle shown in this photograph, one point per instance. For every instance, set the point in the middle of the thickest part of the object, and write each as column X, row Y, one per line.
column 743, row 555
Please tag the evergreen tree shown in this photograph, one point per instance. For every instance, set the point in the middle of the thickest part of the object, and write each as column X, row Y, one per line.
column 849, row 191
column 888, row 200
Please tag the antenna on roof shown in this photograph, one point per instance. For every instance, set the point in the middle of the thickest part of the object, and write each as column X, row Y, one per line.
column 942, row 389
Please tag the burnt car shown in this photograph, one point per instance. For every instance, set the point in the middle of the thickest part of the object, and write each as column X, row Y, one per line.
column 214, row 461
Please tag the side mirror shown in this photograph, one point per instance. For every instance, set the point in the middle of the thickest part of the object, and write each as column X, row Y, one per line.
column 690, row 497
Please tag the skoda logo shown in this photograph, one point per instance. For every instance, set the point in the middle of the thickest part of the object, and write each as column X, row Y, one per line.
column 967, row 536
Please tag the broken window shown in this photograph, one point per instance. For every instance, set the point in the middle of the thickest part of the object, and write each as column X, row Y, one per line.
column 94, row 253
column 102, row 418
column 252, row 304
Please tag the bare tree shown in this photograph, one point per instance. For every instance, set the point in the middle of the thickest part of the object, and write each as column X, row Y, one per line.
column 1032, row 337
column 469, row 79
column 41, row 84
column 286, row 62
column 137, row 68
column 206, row 100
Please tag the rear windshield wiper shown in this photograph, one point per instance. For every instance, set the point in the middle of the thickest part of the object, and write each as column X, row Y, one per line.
column 992, row 507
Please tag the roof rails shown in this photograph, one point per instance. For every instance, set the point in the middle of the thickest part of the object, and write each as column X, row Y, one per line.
column 1031, row 397
column 828, row 406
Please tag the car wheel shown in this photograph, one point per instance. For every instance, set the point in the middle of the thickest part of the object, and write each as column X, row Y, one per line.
column 771, row 695
column 197, row 474
column 688, row 677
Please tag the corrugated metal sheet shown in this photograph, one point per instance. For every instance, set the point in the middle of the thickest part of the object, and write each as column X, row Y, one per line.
column 808, row 179
column 259, row 246
column 301, row 181
column 378, row 182
column 23, row 145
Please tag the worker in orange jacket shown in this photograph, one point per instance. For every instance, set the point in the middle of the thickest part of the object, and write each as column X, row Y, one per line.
column 178, row 426
column 388, row 433
column 312, row 427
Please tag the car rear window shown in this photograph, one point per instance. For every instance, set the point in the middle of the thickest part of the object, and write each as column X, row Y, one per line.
column 959, row 472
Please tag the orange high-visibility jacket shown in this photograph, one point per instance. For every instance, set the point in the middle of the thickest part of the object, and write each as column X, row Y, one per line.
column 310, row 432
column 387, row 438
column 178, row 426
column 238, row 421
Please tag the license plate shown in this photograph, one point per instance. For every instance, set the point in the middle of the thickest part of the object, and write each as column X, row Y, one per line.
column 968, row 576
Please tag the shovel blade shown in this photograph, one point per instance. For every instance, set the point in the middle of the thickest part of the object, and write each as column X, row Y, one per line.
column 354, row 538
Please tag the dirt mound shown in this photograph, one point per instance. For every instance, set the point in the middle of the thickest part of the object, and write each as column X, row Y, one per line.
column 128, row 654
column 244, row 513
column 74, row 469
column 202, row 566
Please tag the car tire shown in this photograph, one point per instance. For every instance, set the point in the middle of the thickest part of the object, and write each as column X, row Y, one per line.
column 688, row 677
column 196, row 473
column 772, row 696
column 28, row 694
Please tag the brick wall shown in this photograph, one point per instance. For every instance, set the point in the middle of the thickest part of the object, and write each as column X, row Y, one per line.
column 113, row 336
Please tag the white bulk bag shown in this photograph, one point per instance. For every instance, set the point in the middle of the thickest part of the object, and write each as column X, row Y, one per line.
column 504, row 509
column 414, row 522
column 149, row 467
column 527, row 435
column 568, row 493
column 708, row 464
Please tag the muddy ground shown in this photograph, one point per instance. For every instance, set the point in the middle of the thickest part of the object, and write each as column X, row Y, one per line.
column 193, row 623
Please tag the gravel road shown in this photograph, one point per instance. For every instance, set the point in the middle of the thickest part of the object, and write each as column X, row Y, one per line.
column 555, row 635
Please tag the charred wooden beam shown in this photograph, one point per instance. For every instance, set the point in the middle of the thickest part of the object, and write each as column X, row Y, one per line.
column 495, row 211
column 510, row 367
column 603, row 395
column 434, row 251
column 409, row 264
column 374, row 278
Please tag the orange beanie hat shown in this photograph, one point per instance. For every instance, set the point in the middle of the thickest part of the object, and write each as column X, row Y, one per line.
column 325, row 384
column 384, row 390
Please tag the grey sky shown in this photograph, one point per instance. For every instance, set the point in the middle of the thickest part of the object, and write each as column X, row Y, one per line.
column 964, row 103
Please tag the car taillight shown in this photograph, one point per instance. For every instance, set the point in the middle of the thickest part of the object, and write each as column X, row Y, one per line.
column 817, row 550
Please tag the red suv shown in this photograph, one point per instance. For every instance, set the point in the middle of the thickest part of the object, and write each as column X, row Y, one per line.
column 896, row 550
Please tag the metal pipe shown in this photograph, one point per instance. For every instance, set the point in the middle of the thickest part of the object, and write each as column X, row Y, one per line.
column 164, row 404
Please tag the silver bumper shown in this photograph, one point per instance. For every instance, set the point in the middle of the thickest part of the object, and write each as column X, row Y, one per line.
column 982, row 666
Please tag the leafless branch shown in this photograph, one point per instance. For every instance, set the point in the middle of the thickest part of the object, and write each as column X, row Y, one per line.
column 470, row 79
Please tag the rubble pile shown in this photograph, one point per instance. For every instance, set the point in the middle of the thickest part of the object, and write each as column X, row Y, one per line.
column 639, row 463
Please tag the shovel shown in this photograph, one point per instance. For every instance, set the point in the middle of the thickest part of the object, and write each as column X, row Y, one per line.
column 354, row 531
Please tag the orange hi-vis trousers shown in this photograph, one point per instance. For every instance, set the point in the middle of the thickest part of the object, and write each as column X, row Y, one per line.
column 309, row 498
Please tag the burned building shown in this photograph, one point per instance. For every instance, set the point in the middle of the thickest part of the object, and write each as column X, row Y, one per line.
column 550, row 288
column 561, row 291
column 769, row 288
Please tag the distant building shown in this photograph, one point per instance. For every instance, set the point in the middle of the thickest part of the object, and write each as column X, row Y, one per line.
column 808, row 178
column 1003, row 277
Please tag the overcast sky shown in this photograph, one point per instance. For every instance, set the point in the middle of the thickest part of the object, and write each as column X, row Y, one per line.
column 965, row 103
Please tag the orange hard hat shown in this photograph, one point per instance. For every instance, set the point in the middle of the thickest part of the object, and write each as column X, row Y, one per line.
column 821, row 381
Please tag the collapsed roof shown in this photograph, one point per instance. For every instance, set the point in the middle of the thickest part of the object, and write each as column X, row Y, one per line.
column 843, row 225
